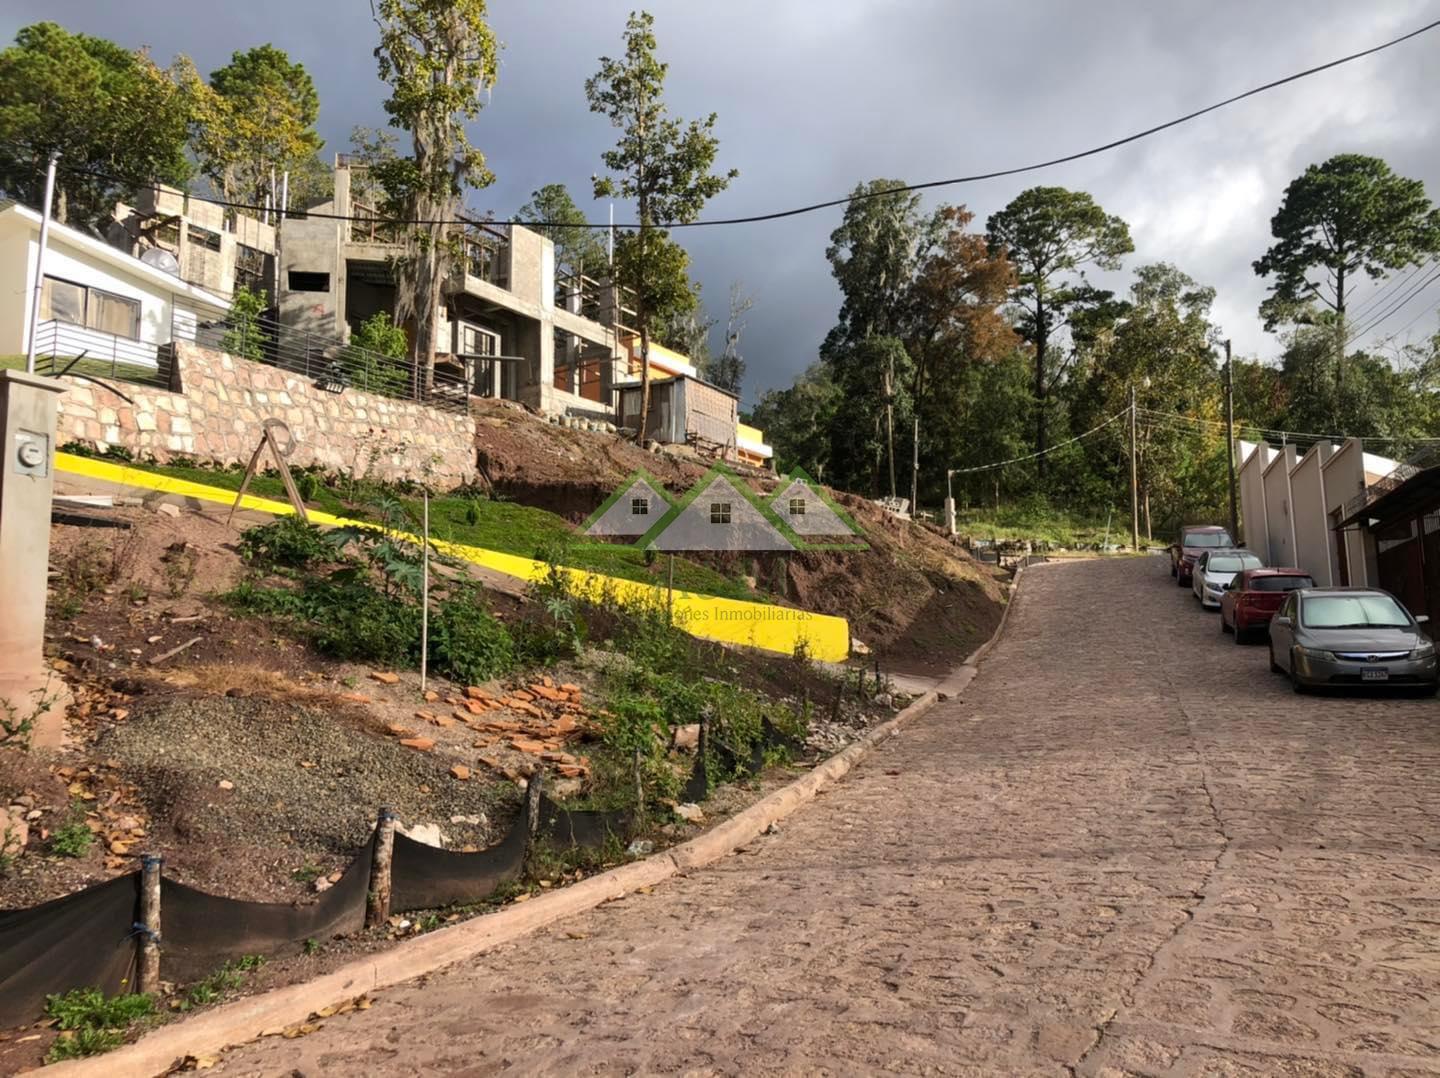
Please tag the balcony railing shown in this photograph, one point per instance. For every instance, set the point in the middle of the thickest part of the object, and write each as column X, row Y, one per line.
column 64, row 348
column 336, row 365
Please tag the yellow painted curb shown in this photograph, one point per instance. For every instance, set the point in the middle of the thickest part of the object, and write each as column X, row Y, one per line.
column 779, row 629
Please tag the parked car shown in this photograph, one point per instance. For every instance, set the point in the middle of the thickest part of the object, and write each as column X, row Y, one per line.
column 1351, row 636
column 1215, row 569
column 1194, row 540
column 1253, row 597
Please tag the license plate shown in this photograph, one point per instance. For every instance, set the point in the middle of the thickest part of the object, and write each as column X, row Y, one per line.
column 1377, row 674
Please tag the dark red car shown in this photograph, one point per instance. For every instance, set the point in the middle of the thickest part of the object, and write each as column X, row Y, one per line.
column 1253, row 597
column 1194, row 540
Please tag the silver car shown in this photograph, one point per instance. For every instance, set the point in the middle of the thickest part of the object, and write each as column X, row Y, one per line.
column 1351, row 636
column 1214, row 572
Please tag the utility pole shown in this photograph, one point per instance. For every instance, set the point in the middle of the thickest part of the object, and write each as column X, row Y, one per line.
column 1230, row 440
column 915, row 473
column 1134, row 478
column 40, row 261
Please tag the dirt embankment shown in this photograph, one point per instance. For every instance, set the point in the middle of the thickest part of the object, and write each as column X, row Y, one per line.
column 916, row 600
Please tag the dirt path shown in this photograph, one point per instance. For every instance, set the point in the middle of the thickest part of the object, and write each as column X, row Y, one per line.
column 1128, row 849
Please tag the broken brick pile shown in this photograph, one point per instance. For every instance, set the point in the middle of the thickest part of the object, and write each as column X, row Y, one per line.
column 542, row 720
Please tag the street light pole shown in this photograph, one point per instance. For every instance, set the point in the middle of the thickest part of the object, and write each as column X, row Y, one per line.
column 40, row 261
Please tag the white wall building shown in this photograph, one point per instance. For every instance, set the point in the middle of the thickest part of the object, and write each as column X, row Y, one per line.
column 1291, row 507
column 96, row 298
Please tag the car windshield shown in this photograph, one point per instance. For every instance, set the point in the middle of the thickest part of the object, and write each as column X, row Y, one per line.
column 1279, row 583
column 1353, row 612
column 1231, row 563
column 1207, row 539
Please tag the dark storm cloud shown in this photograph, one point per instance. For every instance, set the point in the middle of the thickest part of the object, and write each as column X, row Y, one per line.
column 814, row 97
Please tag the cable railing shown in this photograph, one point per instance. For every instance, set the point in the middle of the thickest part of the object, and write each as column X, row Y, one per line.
column 66, row 348
column 336, row 365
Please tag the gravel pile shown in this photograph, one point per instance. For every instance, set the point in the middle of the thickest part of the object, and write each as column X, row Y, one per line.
column 292, row 775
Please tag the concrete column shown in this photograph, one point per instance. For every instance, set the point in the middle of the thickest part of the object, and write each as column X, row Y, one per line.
column 950, row 516
column 27, row 465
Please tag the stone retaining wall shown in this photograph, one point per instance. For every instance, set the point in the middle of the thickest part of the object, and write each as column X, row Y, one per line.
column 217, row 417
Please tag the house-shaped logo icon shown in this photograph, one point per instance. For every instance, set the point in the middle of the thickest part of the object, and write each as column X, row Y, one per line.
column 721, row 513
column 631, row 511
column 812, row 514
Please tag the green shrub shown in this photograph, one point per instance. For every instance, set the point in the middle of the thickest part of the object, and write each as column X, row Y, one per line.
column 374, row 360
column 468, row 643
column 286, row 541
column 358, row 623
column 91, row 1023
column 72, row 840
column 244, row 335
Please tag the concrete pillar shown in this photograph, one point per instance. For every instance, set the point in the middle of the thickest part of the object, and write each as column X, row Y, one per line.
column 27, row 442
column 950, row 515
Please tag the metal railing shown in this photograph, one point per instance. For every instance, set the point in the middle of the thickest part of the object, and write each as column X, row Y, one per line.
column 65, row 348
column 336, row 365
column 1412, row 466
column 486, row 250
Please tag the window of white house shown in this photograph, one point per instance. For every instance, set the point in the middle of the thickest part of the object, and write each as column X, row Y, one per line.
column 639, row 507
column 797, row 507
column 719, row 512
column 66, row 301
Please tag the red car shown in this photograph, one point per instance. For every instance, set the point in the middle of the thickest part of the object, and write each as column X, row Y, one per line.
column 1253, row 597
column 1194, row 540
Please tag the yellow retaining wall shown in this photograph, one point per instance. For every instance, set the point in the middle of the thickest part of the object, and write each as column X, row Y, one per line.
column 731, row 621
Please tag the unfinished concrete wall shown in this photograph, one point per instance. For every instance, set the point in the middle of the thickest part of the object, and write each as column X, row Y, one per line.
column 217, row 418
column 1312, row 533
column 1279, row 525
column 310, row 249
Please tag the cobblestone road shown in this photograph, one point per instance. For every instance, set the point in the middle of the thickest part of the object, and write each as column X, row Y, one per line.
column 1126, row 849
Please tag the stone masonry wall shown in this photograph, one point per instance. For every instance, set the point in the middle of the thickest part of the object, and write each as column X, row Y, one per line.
column 217, row 418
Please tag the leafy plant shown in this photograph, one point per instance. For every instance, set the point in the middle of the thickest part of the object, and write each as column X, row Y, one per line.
column 72, row 840
column 91, row 1023
column 374, row 359
column 286, row 541
column 244, row 335
column 467, row 642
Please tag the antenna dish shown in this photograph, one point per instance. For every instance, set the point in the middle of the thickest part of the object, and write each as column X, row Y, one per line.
column 161, row 259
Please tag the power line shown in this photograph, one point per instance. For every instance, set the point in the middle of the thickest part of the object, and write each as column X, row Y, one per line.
column 849, row 199
column 1383, row 290
column 1417, row 318
column 1414, row 291
column 1289, row 435
column 1042, row 452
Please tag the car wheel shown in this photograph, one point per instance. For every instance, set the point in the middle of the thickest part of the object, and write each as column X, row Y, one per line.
column 1427, row 690
column 1180, row 581
column 1242, row 635
column 1295, row 683
column 1274, row 666
column 1173, row 570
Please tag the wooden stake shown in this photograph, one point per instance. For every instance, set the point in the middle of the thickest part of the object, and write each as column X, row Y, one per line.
column 377, row 902
column 425, row 595
column 147, row 979
column 267, row 437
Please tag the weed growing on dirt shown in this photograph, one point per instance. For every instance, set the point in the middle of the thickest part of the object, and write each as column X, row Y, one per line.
column 312, row 946
column 286, row 542
column 91, row 1023
column 74, row 839
column 466, row 642
column 215, row 987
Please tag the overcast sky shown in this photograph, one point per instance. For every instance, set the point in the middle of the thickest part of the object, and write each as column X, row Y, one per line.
column 816, row 95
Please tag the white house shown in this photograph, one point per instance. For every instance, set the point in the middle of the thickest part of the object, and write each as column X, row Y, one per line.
column 96, row 298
